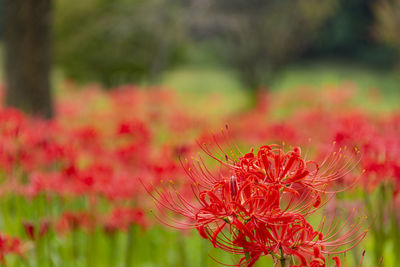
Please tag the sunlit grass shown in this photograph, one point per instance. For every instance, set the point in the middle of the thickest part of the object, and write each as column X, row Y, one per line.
column 369, row 83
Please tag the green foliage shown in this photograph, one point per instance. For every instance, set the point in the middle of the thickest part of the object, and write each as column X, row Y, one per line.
column 119, row 41
column 347, row 29
column 348, row 35
column 262, row 36
column 1, row 20
column 386, row 28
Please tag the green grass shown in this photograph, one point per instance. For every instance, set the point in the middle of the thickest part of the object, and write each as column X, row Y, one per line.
column 216, row 79
column 198, row 83
column 320, row 74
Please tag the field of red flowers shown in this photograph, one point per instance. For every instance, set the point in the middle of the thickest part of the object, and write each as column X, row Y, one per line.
column 305, row 178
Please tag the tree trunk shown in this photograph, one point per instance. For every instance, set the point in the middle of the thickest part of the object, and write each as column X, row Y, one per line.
column 28, row 55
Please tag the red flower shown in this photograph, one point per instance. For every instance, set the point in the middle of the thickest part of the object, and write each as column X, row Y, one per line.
column 33, row 233
column 9, row 245
column 258, row 204
column 122, row 218
column 71, row 221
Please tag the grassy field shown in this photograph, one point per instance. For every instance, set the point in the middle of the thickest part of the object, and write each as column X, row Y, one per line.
column 382, row 83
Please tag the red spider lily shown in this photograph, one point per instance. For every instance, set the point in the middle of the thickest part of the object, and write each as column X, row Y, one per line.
column 289, row 170
column 123, row 218
column 31, row 229
column 100, row 152
column 71, row 221
column 9, row 245
column 257, row 204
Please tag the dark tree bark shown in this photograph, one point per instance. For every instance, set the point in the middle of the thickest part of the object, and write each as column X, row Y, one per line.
column 28, row 55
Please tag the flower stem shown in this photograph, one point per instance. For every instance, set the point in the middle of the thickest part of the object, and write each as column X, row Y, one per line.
column 38, row 252
column 204, row 253
column 91, row 249
column 130, row 246
column 112, row 256
column 284, row 262
column 181, row 249
column 75, row 249
column 247, row 255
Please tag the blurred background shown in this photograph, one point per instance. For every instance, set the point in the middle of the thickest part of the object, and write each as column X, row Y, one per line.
column 114, row 91
column 198, row 45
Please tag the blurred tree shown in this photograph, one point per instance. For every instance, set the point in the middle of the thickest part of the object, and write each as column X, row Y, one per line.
column 27, row 55
column 347, row 35
column 261, row 36
column 347, row 29
column 118, row 41
column 1, row 16
column 387, row 23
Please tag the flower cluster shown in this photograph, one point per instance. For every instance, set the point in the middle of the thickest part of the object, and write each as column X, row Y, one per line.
column 259, row 204
column 85, row 166
column 9, row 245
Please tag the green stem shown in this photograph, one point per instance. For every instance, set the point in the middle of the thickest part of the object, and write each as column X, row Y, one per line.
column 182, row 254
column 204, row 253
column 112, row 249
column 377, row 227
column 395, row 232
column 5, row 212
column 284, row 262
column 91, row 249
column 38, row 252
column 130, row 246
column 74, row 236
